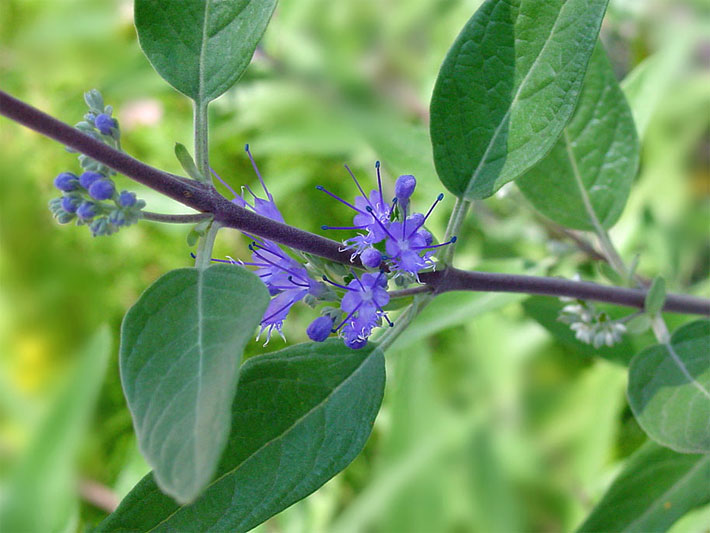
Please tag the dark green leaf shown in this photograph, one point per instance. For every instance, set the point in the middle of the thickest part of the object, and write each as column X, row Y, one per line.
column 588, row 174
column 299, row 417
column 656, row 487
column 201, row 47
column 546, row 310
column 669, row 389
column 181, row 347
column 656, row 296
column 507, row 87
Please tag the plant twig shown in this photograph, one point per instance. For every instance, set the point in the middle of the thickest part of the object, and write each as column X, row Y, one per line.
column 175, row 219
column 206, row 199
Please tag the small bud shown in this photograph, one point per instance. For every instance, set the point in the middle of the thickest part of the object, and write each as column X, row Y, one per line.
column 86, row 211
column 88, row 178
column 404, row 187
column 70, row 203
column 127, row 199
column 66, row 181
column 63, row 217
column 320, row 328
column 94, row 99
column 102, row 189
column 104, row 123
column 371, row 258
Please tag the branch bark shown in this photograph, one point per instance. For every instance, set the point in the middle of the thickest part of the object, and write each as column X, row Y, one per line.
column 206, row 199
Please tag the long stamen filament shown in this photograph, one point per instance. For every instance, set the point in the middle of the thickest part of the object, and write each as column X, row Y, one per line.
column 369, row 210
column 438, row 199
column 357, row 183
column 379, row 182
column 325, row 278
column 288, row 271
column 223, row 182
column 326, row 191
column 334, row 330
column 258, row 174
column 452, row 241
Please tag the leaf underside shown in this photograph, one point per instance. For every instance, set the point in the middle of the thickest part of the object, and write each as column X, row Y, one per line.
column 586, row 178
column 669, row 389
column 181, row 347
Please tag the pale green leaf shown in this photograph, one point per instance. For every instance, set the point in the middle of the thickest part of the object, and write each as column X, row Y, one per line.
column 669, row 389
column 586, row 178
column 181, row 347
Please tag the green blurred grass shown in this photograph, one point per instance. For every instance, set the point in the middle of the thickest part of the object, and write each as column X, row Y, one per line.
column 489, row 424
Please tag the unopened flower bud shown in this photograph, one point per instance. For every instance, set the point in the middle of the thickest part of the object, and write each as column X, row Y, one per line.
column 88, row 178
column 404, row 187
column 127, row 199
column 86, row 211
column 320, row 328
column 66, row 181
column 70, row 203
column 102, row 189
column 104, row 123
column 371, row 258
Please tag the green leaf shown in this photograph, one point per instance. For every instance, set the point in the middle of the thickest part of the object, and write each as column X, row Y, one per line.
column 39, row 490
column 546, row 311
column 656, row 296
column 201, row 47
column 587, row 176
column 187, row 162
column 669, row 389
column 181, row 347
column 299, row 417
column 656, row 487
column 506, row 89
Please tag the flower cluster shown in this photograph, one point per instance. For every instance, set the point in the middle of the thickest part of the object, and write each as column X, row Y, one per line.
column 591, row 326
column 390, row 235
column 92, row 198
column 392, row 242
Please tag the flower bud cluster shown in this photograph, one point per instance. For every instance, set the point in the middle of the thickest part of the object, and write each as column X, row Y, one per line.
column 393, row 243
column 91, row 198
column 590, row 325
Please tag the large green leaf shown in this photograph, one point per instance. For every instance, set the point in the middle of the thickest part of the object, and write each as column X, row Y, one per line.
column 181, row 347
column 507, row 87
column 39, row 492
column 201, row 47
column 299, row 417
column 656, row 487
column 669, row 389
column 587, row 175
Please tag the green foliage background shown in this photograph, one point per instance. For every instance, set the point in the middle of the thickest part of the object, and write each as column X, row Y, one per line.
column 489, row 424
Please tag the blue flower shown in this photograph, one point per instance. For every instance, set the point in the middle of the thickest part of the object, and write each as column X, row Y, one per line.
column 363, row 302
column 373, row 213
column 404, row 188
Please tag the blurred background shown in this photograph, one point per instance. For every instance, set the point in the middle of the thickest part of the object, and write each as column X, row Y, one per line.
column 494, row 419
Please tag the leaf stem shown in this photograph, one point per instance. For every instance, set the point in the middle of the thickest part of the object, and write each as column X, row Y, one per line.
column 201, row 126
column 203, row 258
column 458, row 214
